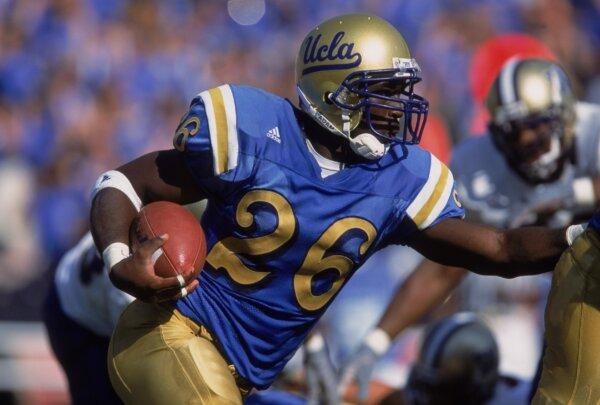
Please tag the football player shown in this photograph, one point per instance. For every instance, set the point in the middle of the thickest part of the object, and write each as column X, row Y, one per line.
column 298, row 199
column 80, row 313
column 539, row 163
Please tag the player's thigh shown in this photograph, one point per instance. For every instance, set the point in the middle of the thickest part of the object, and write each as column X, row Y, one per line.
column 156, row 356
column 570, row 367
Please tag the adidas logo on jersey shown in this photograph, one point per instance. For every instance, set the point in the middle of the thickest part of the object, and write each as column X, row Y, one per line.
column 273, row 133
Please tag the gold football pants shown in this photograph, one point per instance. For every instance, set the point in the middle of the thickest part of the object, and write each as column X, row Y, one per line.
column 571, row 364
column 159, row 356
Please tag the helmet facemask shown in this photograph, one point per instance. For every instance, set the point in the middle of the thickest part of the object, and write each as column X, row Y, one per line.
column 389, row 107
column 550, row 146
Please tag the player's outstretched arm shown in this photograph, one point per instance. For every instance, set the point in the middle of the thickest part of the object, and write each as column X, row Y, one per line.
column 491, row 251
column 424, row 290
column 119, row 196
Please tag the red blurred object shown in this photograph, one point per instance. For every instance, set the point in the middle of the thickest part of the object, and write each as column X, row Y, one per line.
column 436, row 139
column 186, row 246
column 493, row 53
column 487, row 61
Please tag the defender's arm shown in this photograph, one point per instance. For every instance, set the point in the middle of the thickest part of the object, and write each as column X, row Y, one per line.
column 425, row 289
column 490, row 251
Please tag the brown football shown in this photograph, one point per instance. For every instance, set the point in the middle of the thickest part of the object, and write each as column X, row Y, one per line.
column 186, row 245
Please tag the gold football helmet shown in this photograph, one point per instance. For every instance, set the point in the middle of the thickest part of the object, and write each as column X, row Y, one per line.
column 355, row 68
column 534, row 95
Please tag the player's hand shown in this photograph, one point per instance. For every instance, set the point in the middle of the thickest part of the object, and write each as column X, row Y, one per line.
column 321, row 376
column 358, row 370
column 135, row 275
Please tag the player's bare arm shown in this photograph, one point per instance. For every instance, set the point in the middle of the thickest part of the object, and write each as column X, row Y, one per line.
column 491, row 251
column 412, row 302
column 453, row 242
column 156, row 176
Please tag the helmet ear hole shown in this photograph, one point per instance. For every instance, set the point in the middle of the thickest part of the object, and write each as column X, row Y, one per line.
column 327, row 97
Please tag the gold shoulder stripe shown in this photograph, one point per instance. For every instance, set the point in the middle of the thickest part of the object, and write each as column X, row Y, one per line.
column 426, row 209
column 221, row 129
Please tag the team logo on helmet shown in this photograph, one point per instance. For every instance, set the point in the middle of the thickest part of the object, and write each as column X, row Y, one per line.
column 336, row 50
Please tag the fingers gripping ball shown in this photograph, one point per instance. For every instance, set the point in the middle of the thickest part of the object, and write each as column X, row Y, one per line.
column 184, row 250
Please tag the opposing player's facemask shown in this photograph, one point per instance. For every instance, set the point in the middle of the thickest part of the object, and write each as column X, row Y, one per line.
column 533, row 147
column 356, row 78
column 532, row 109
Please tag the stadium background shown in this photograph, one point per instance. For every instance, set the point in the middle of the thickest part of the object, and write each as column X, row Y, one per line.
column 86, row 85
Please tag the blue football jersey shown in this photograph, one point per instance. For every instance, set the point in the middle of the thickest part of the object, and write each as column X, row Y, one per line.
column 282, row 240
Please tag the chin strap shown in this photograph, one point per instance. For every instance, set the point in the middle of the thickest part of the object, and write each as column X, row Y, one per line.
column 368, row 146
column 365, row 144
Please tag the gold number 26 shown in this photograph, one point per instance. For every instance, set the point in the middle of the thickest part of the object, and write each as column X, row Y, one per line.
column 225, row 253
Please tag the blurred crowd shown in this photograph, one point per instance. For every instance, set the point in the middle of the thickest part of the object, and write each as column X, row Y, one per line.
column 86, row 85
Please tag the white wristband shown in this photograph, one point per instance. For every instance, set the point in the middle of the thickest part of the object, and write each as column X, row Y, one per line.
column 315, row 343
column 583, row 192
column 115, row 253
column 116, row 179
column 574, row 231
column 378, row 340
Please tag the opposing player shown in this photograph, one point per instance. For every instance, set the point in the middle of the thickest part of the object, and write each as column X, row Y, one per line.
column 458, row 364
column 297, row 201
column 80, row 313
column 539, row 163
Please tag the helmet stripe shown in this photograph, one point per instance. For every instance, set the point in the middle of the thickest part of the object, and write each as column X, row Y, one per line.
column 508, row 89
column 555, row 84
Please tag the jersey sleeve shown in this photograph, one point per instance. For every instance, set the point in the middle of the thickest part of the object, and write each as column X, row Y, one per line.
column 436, row 199
column 207, row 136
